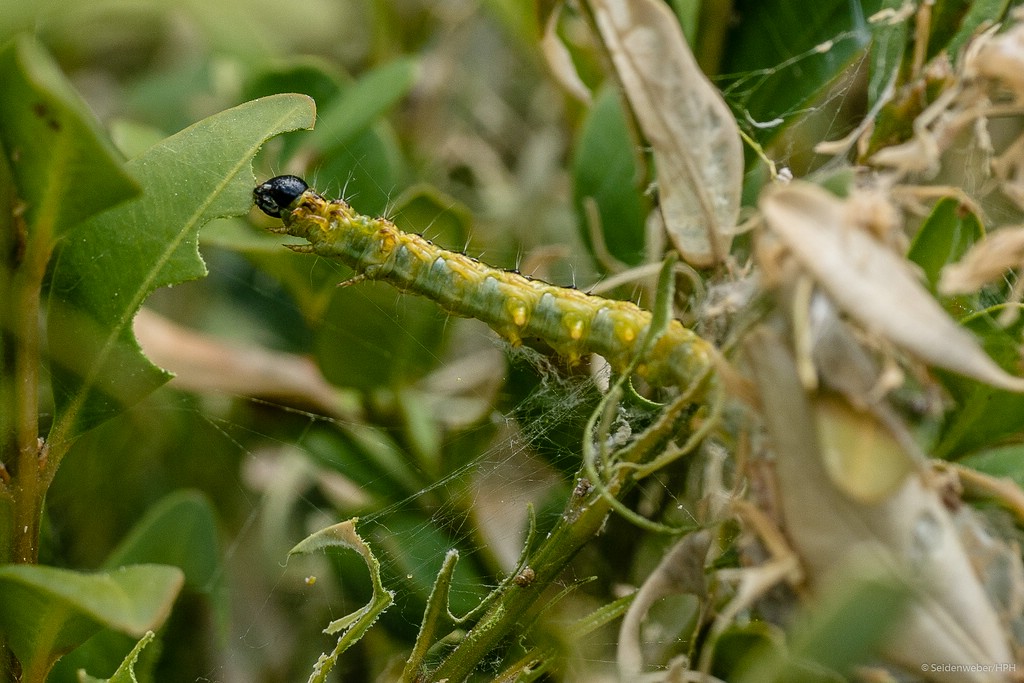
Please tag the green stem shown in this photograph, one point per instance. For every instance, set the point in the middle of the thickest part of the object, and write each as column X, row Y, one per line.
column 27, row 497
column 437, row 610
column 26, row 485
column 582, row 520
column 22, row 489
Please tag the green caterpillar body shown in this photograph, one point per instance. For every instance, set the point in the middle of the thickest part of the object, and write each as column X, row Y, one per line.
column 515, row 306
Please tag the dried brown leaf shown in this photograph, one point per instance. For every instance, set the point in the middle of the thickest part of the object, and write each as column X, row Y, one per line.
column 681, row 570
column 560, row 61
column 906, row 535
column 872, row 284
column 1008, row 169
column 1000, row 59
column 694, row 139
column 985, row 262
column 204, row 364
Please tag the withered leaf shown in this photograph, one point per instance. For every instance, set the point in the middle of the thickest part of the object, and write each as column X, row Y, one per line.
column 692, row 134
column 872, row 284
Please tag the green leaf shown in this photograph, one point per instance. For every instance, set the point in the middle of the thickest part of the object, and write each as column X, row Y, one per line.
column 47, row 611
column 367, row 169
column 421, row 430
column 984, row 415
column 851, row 624
column 56, row 170
column 309, row 75
column 181, row 531
column 63, row 167
column 370, row 336
column 605, row 177
column 745, row 648
column 688, row 14
column 944, row 237
column 236, row 234
column 886, row 54
column 810, row 45
column 415, row 548
column 955, row 22
column 126, row 672
column 313, row 76
column 844, row 630
column 363, row 102
column 425, row 209
column 118, row 258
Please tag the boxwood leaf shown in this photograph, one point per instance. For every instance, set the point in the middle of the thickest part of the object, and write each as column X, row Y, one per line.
column 47, row 611
column 63, row 167
column 115, row 260
column 180, row 530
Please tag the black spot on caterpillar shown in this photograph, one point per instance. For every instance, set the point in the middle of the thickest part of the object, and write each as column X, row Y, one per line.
column 514, row 305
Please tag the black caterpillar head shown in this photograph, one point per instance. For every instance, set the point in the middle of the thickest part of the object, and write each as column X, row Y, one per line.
column 277, row 194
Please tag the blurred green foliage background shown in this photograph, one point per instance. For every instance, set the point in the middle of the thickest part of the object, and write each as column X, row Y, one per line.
column 445, row 116
column 474, row 155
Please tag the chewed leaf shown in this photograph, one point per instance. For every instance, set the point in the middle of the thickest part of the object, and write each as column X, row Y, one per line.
column 872, row 284
column 355, row 625
column 363, row 102
column 341, row 535
column 113, row 261
column 691, row 131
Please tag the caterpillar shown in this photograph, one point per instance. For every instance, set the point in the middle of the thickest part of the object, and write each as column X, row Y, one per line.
column 515, row 306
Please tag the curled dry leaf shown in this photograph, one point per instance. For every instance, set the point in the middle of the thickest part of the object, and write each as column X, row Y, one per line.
column 872, row 284
column 560, row 61
column 1008, row 169
column 935, row 129
column 990, row 62
column 1000, row 59
column 681, row 570
column 905, row 535
column 692, row 134
column 985, row 262
column 987, row 83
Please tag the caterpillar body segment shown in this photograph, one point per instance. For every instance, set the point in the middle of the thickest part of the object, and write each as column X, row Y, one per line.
column 515, row 306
